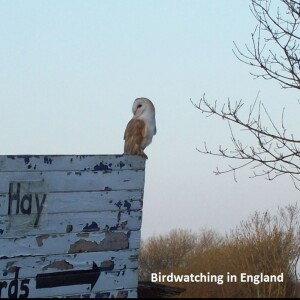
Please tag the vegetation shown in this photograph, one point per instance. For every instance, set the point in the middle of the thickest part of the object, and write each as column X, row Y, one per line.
column 165, row 252
column 262, row 244
column 273, row 54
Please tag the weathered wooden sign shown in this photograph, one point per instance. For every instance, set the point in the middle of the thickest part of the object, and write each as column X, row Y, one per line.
column 70, row 225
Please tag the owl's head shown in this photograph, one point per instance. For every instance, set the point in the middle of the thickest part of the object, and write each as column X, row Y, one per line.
column 143, row 106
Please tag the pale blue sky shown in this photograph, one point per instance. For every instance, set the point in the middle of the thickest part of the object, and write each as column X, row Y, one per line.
column 70, row 71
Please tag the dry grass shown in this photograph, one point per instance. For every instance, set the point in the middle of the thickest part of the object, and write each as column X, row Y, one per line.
column 262, row 244
column 165, row 252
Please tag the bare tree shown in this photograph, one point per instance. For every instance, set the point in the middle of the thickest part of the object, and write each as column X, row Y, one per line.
column 275, row 42
column 274, row 53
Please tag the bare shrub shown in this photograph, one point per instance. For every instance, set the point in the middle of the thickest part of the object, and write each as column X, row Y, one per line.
column 264, row 243
column 165, row 252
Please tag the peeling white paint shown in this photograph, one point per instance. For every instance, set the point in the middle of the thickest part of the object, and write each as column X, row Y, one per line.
column 70, row 225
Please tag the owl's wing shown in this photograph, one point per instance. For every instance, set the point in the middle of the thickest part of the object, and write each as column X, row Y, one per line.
column 134, row 134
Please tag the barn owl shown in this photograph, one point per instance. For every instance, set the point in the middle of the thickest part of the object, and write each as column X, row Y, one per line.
column 141, row 128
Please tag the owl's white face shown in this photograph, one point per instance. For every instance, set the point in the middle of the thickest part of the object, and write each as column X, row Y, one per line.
column 143, row 106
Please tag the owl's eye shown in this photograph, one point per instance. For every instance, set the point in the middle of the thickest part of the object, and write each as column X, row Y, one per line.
column 140, row 105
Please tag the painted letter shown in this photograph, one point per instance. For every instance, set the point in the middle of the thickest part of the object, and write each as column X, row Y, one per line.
column 39, row 208
column 24, row 288
column 13, row 196
column 26, row 211
column 14, row 284
column 3, row 284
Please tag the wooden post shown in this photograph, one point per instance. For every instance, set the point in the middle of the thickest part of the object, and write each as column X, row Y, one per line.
column 70, row 225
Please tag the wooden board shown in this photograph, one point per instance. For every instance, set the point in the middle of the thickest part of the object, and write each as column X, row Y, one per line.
column 33, row 163
column 91, row 201
column 71, row 181
column 70, row 225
